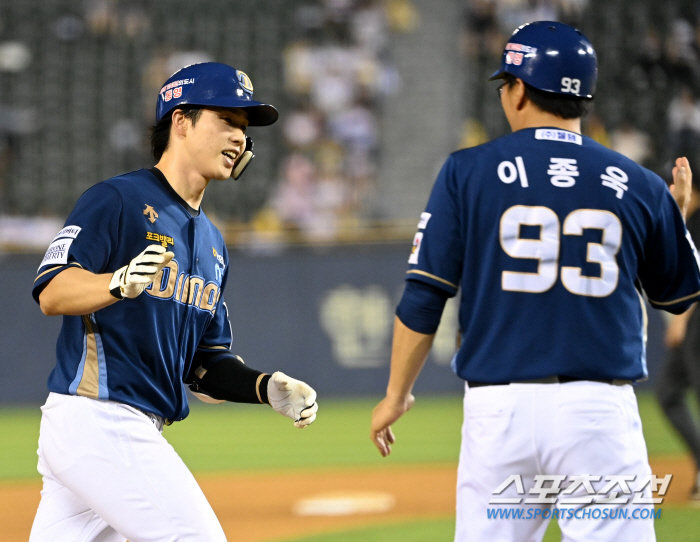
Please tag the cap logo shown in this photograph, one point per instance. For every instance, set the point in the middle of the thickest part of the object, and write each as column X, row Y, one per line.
column 244, row 81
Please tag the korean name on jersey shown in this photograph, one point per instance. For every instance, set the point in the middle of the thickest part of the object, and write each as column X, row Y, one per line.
column 548, row 233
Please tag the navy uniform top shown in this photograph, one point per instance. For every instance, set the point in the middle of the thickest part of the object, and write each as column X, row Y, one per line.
column 137, row 351
column 552, row 238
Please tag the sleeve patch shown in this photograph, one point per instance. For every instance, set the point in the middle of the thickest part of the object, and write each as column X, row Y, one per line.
column 57, row 253
column 413, row 259
column 68, row 231
column 424, row 217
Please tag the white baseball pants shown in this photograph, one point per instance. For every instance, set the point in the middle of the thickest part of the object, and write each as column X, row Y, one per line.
column 109, row 475
column 549, row 429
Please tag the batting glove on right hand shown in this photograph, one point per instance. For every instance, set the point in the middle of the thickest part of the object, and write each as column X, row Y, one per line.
column 130, row 280
column 292, row 398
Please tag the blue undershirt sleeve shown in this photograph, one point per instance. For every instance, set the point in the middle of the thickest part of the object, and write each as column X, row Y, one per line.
column 421, row 306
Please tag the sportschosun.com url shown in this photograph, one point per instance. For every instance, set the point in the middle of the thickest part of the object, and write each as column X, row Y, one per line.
column 574, row 513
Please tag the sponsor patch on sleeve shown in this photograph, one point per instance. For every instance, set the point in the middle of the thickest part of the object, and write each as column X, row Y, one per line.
column 424, row 217
column 57, row 253
column 413, row 258
column 68, row 231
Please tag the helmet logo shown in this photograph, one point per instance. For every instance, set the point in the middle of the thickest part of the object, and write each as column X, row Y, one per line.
column 516, row 52
column 514, row 58
column 245, row 81
column 519, row 47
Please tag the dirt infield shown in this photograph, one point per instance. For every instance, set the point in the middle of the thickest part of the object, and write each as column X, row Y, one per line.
column 265, row 506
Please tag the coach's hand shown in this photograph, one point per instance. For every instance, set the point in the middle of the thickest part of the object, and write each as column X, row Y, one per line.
column 292, row 398
column 682, row 184
column 132, row 279
column 384, row 414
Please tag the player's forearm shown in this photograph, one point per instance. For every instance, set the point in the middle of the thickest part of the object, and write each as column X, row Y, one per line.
column 408, row 354
column 75, row 292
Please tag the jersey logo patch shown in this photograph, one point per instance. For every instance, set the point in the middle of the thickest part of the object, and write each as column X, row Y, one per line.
column 57, row 253
column 68, row 231
column 164, row 240
column 219, row 262
column 413, row 258
column 218, row 256
column 150, row 212
column 423, row 223
column 558, row 135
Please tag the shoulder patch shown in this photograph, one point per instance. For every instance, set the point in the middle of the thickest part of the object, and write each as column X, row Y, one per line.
column 424, row 218
column 68, row 231
column 57, row 253
column 413, row 258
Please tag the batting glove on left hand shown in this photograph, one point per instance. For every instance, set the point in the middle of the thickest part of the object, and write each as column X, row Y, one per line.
column 292, row 398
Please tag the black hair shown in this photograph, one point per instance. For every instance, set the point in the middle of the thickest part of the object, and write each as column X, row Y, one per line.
column 561, row 105
column 160, row 131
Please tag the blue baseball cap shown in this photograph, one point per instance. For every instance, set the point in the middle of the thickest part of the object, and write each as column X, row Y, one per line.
column 216, row 85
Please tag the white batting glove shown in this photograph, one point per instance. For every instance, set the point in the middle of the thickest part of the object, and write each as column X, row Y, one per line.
column 292, row 398
column 132, row 279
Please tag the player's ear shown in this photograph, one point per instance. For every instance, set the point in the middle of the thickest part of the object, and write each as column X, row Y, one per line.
column 519, row 94
column 180, row 122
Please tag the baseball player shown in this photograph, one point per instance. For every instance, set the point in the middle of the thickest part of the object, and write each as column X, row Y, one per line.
column 553, row 240
column 138, row 273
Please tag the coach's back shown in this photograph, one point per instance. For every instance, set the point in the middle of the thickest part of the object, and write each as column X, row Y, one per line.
column 544, row 217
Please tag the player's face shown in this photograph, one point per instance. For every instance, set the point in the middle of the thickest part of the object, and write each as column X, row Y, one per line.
column 216, row 141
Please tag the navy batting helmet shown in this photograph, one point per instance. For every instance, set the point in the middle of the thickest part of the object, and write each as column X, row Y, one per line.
column 216, row 85
column 551, row 56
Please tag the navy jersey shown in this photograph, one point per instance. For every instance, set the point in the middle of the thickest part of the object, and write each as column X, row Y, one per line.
column 552, row 238
column 137, row 351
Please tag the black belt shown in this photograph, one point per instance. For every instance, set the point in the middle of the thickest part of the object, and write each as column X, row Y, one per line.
column 550, row 380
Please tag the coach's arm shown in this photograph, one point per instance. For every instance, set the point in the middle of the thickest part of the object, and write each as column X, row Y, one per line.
column 409, row 351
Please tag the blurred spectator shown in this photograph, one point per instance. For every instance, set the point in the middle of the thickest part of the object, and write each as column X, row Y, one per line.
column 481, row 36
column 681, row 57
column 294, row 198
column 684, row 126
column 303, row 127
column 651, row 60
column 571, row 11
column 512, row 13
column 337, row 71
column 595, row 129
column 402, row 16
column 117, row 17
column 631, row 142
column 355, row 127
column 473, row 134
column 368, row 26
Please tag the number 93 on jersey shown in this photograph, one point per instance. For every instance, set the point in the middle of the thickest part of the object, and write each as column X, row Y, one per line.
column 546, row 250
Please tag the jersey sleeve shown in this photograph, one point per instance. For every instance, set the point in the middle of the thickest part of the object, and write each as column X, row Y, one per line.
column 670, row 272
column 218, row 334
column 88, row 239
column 438, row 246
